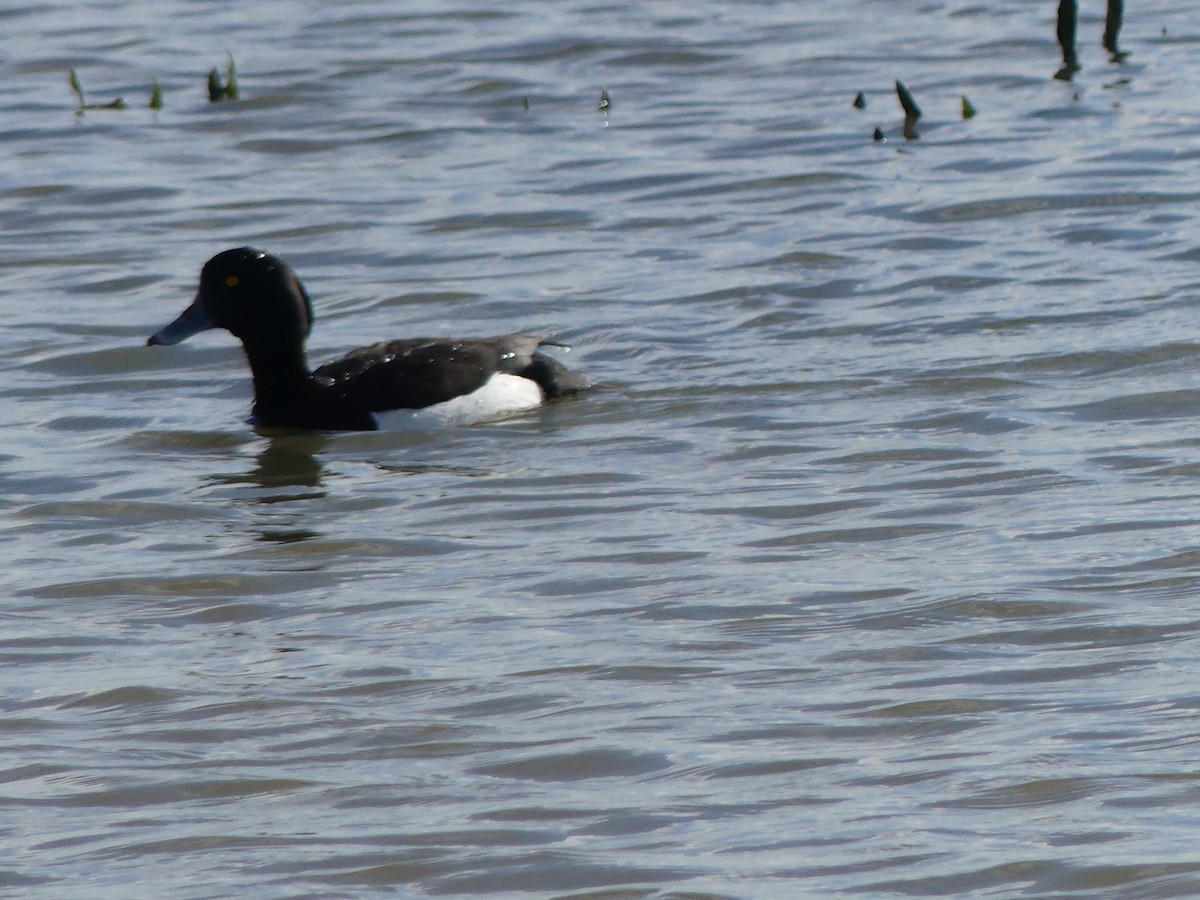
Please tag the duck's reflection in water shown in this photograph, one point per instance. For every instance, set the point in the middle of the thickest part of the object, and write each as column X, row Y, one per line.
column 289, row 461
column 286, row 474
column 289, row 476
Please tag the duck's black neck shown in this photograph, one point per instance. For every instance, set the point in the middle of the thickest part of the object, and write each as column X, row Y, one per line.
column 286, row 395
column 279, row 371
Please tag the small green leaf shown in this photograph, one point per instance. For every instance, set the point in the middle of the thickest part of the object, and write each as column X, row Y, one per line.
column 860, row 101
column 968, row 110
column 215, row 91
column 73, row 80
column 156, row 101
column 911, row 110
column 231, row 85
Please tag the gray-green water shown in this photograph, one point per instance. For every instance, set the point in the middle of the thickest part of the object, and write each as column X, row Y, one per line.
column 873, row 567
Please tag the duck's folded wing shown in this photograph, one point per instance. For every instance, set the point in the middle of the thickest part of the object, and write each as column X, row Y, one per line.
column 413, row 373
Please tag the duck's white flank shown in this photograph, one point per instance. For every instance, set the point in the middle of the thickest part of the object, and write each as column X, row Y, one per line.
column 500, row 394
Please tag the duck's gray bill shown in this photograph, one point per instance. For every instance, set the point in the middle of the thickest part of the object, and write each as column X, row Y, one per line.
column 192, row 320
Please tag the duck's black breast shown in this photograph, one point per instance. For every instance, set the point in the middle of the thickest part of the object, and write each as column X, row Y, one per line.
column 315, row 409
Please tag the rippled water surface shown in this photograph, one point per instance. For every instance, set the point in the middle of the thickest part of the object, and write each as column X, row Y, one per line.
column 871, row 567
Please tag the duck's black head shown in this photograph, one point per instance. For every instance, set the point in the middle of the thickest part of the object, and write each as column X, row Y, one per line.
column 252, row 294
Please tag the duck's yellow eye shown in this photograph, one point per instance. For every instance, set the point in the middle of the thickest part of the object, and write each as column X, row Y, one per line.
column 232, row 281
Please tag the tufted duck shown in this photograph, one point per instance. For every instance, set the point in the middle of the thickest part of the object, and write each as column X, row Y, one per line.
column 258, row 298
